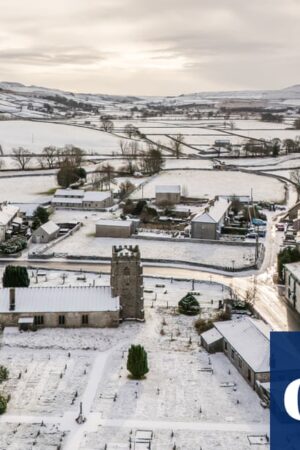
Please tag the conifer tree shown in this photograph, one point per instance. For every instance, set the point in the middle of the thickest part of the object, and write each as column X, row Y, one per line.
column 137, row 362
column 15, row 276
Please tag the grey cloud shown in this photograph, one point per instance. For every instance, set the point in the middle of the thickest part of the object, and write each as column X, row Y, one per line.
column 215, row 44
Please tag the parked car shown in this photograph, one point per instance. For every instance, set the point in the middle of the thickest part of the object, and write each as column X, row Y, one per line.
column 259, row 222
column 280, row 226
column 262, row 233
column 251, row 235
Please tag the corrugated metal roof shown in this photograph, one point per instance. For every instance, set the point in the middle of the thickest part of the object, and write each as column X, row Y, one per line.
column 60, row 299
column 251, row 340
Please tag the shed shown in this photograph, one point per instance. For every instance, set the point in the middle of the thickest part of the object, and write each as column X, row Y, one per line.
column 168, row 194
column 114, row 228
column 46, row 233
column 212, row 340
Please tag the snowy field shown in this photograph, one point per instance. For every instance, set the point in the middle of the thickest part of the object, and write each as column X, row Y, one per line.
column 52, row 371
column 34, row 136
column 25, row 189
column 208, row 184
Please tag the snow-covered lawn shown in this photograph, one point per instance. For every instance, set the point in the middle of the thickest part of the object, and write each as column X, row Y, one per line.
column 84, row 242
column 34, row 136
column 201, row 184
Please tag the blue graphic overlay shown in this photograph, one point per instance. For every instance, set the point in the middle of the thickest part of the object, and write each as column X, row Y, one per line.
column 285, row 388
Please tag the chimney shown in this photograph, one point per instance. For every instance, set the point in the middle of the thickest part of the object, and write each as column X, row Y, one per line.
column 12, row 299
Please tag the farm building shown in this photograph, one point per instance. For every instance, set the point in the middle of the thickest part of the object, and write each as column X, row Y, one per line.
column 246, row 342
column 292, row 284
column 114, row 228
column 45, row 233
column 207, row 225
column 7, row 215
column 79, row 199
column 168, row 194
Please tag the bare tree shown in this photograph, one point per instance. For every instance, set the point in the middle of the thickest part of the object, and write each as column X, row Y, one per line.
column 107, row 124
column 108, row 171
column 22, row 157
column 130, row 130
column 177, row 145
column 151, row 160
column 130, row 151
column 49, row 158
column 97, row 180
column 74, row 155
column 126, row 188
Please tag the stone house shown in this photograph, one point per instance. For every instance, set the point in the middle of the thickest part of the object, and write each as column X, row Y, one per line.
column 208, row 224
column 7, row 215
column 292, row 285
column 246, row 343
column 169, row 194
column 45, row 233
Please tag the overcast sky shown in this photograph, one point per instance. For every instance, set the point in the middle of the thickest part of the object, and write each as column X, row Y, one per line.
column 150, row 47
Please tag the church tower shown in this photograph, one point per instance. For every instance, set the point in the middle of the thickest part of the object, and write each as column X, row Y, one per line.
column 127, row 281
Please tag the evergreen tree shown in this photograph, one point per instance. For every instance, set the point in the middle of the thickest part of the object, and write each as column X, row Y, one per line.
column 286, row 256
column 41, row 214
column 3, row 404
column 137, row 361
column 3, row 373
column 15, row 276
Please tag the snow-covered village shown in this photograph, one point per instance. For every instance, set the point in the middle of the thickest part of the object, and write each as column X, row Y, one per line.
column 149, row 222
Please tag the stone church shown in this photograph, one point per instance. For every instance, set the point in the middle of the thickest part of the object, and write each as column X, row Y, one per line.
column 80, row 306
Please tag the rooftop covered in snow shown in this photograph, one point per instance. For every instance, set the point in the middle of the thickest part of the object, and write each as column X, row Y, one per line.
column 7, row 213
column 60, row 299
column 168, row 189
column 114, row 223
column 213, row 213
column 49, row 227
column 251, row 340
column 294, row 269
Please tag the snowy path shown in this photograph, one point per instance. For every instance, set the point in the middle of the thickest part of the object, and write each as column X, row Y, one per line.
column 68, row 422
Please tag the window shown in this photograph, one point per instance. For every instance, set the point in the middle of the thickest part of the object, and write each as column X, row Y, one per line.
column 249, row 375
column 38, row 320
column 240, row 363
column 61, row 320
column 232, row 354
column 84, row 319
column 225, row 345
